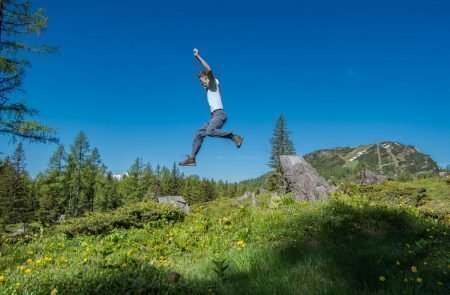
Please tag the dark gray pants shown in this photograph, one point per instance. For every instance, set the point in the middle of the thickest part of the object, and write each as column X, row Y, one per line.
column 212, row 129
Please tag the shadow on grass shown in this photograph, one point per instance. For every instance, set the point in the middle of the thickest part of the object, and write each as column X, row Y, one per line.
column 342, row 250
column 347, row 251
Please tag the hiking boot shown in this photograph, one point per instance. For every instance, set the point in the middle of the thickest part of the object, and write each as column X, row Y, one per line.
column 190, row 161
column 238, row 140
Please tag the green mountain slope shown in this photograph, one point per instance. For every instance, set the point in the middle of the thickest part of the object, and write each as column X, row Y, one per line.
column 390, row 159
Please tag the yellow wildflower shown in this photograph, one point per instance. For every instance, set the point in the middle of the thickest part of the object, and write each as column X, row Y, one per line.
column 30, row 261
column 21, row 268
column 28, row 271
column 17, row 284
column 382, row 278
column 2, row 278
column 413, row 269
column 241, row 243
column 419, row 280
column 85, row 260
column 38, row 261
column 47, row 259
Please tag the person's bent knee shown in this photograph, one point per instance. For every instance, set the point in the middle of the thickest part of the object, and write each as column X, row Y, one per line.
column 210, row 132
column 200, row 134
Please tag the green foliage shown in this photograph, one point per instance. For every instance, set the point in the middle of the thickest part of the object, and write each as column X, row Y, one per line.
column 393, row 160
column 220, row 266
column 15, row 189
column 130, row 216
column 281, row 144
column 17, row 23
column 353, row 244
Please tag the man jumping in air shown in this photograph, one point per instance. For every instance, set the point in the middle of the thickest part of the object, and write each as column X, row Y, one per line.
column 218, row 116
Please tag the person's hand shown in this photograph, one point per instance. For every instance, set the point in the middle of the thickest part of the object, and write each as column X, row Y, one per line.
column 195, row 52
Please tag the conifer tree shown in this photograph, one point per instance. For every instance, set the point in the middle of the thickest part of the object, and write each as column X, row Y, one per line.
column 21, row 205
column 52, row 188
column 6, row 179
column 77, row 161
column 18, row 22
column 281, row 144
column 165, row 181
column 131, row 186
column 175, row 181
column 148, row 182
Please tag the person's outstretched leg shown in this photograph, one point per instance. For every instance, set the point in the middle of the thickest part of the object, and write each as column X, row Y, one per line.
column 217, row 121
column 198, row 140
column 196, row 145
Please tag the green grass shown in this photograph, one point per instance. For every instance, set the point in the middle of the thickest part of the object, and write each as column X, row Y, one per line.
column 438, row 191
column 343, row 246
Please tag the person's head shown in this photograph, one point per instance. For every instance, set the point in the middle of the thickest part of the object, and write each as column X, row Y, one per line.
column 204, row 78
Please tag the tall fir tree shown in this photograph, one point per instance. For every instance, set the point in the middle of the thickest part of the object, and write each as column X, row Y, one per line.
column 91, row 172
column 175, row 181
column 21, row 205
column 148, row 182
column 18, row 22
column 6, row 179
column 52, row 188
column 78, row 160
column 281, row 144
column 131, row 186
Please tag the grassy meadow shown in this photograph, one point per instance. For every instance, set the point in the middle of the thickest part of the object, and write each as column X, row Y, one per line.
column 384, row 239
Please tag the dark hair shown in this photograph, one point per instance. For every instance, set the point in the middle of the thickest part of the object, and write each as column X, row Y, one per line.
column 202, row 73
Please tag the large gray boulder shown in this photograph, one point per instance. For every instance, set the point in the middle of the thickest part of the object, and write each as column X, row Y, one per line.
column 303, row 180
column 368, row 177
column 175, row 200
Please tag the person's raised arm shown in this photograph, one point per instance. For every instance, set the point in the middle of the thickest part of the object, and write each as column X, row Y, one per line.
column 207, row 68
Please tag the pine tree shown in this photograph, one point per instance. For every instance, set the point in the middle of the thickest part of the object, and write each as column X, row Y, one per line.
column 91, row 173
column 106, row 192
column 131, row 187
column 148, row 182
column 187, row 191
column 281, row 144
column 78, row 160
column 6, row 179
column 21, row 206
column 17, row 23
column 175, row 181
column 165, row 181
column 52, row 189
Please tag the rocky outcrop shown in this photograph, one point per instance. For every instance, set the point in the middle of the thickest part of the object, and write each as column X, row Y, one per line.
column 303, row 180
column 368, row 177
column 175, row 200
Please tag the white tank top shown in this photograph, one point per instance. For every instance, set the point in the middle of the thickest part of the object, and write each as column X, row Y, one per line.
column 214, row 97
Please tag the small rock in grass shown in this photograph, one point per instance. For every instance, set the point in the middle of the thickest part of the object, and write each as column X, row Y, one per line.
column 173, row 277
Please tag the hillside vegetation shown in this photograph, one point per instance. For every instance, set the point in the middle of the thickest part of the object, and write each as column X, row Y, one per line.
column 391, row 159
column 365, row 240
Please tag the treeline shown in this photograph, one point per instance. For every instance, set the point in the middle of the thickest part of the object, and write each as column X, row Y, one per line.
column 77, row 181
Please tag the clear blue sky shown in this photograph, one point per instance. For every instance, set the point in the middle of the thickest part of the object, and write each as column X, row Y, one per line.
column 343, row 73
